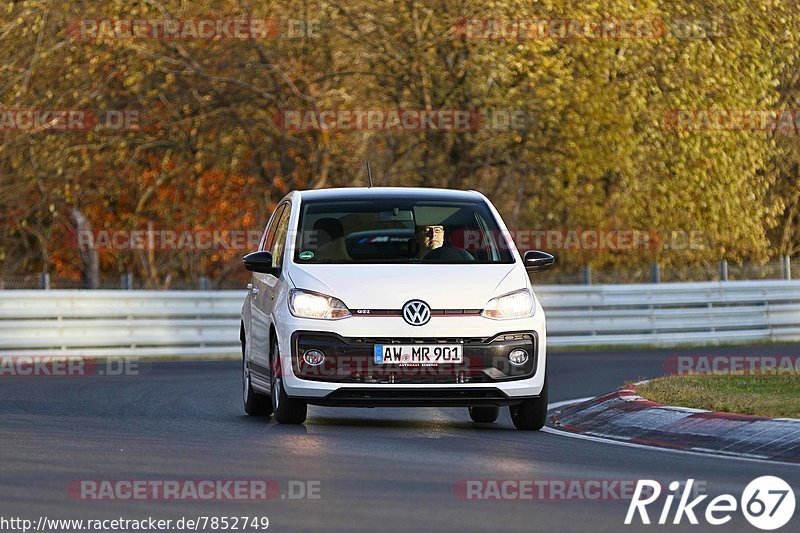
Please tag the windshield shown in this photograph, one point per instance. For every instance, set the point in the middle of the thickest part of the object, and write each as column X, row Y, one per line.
column 399, row 231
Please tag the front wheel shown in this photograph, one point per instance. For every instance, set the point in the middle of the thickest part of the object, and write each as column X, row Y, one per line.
column 255, row 404
column 286, row 410
column 531, row 414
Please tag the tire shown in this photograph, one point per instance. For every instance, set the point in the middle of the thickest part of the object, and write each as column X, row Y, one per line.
column 255, row 404
column 531, row 414
column 286, row 410
column 484, row 415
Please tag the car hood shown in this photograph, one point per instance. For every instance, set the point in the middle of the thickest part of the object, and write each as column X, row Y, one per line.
column 391, row 286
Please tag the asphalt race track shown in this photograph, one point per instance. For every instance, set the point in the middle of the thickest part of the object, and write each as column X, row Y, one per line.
column 385, row 469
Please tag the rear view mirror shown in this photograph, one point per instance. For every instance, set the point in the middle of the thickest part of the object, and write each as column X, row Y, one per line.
column 260, row 262
column 537, row 261
column 396, row 215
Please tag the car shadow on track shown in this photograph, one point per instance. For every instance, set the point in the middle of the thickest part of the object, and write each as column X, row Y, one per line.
column 395, row 423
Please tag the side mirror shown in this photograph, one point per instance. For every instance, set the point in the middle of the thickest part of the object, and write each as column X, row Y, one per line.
column 536, row 261
column 260, row 262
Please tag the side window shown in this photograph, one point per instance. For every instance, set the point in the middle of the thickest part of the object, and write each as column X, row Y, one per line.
column 269, row 234
column 279, row 245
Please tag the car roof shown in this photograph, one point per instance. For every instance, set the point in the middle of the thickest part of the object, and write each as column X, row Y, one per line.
column 358, row 193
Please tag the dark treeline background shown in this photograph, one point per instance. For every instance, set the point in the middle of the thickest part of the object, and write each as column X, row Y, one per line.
column 598, row 150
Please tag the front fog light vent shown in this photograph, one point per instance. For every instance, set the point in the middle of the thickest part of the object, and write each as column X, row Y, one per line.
column 518, row 357
column 314, row 357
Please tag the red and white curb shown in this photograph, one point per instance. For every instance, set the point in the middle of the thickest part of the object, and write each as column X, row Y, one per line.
column 625, row 417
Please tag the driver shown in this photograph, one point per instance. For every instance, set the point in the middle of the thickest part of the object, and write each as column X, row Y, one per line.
column 429, row 238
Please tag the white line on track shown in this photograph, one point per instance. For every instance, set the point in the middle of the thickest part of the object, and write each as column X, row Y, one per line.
column 592, row 438
column 551, row 406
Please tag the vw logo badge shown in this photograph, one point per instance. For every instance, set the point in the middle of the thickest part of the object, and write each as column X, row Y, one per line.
column 416, row 313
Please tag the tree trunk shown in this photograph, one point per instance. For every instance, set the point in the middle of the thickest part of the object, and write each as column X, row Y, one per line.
column 90, row 262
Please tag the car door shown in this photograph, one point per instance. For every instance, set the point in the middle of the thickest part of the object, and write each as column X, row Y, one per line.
column 265, row 286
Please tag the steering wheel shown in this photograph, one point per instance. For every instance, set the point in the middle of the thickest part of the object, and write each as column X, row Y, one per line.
column 448, row 253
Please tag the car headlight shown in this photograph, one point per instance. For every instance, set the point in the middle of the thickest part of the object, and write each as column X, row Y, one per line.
column 307, row 304
column 518, row 304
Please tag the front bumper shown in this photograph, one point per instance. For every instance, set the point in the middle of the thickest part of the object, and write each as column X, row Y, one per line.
column 351, row 360
column 356, row 336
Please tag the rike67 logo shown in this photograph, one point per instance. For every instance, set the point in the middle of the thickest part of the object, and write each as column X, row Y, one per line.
column 767, row 502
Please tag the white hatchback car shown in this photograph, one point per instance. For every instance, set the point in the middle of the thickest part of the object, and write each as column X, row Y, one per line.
column 392, row 297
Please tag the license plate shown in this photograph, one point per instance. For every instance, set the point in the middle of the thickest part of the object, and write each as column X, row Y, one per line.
column 418, row 354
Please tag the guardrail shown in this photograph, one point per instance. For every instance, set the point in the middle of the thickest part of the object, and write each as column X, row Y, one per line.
column 206, row 323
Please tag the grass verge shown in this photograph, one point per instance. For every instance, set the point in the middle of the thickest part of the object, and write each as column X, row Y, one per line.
column 775, row 395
